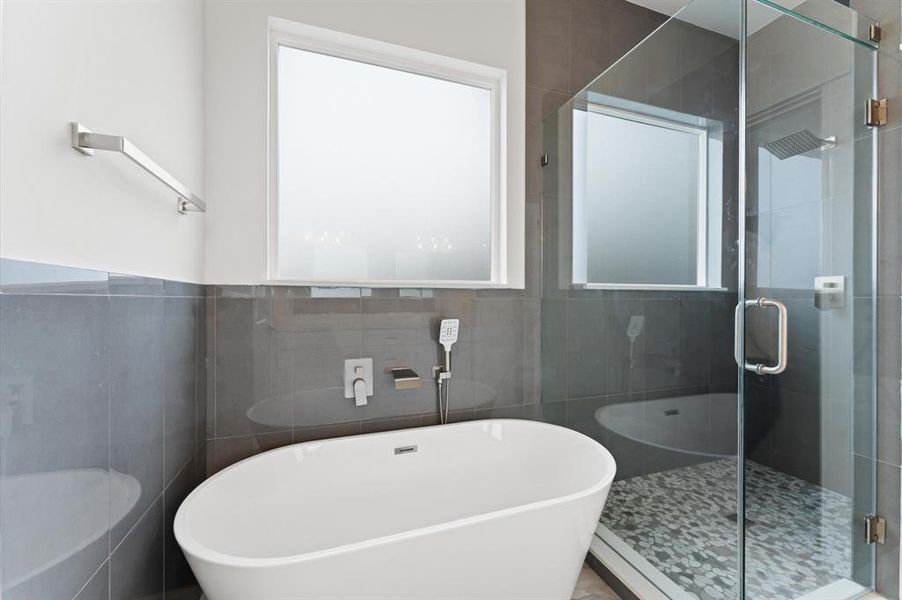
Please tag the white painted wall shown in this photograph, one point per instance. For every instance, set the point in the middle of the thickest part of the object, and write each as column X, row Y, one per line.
column 121, row 67
column 142, row 69
column 491, row 33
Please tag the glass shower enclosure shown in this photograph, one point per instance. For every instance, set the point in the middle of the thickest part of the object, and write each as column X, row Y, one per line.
column 708, row 299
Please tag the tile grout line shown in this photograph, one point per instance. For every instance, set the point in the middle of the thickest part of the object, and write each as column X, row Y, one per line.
column 133, row 528
column 96, row 571
column 163, row 433
column 215, row 354
column 109, row 447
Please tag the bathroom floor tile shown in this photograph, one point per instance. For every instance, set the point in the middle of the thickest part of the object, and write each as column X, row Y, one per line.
column 683, row 522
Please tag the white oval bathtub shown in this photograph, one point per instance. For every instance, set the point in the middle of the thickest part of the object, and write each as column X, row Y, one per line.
column 485, row 509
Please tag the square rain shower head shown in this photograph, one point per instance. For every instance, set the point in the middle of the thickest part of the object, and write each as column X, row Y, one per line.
column 797, row 143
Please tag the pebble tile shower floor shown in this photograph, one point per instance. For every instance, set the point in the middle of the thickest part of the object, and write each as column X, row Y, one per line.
column 683, row 522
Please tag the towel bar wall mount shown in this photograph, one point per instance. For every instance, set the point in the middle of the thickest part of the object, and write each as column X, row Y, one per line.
column 86, row 141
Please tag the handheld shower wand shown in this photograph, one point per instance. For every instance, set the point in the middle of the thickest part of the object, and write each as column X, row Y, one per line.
column 633, row 331
column 447, row 336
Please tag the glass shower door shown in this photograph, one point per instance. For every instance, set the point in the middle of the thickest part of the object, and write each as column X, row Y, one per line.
column 808, row 301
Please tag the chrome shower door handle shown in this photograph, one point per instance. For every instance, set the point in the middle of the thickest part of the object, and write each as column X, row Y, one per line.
column 737, row 340
column 782, row 337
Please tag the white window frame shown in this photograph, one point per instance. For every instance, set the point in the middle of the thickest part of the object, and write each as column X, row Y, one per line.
column 283, row 32
column 580, row 235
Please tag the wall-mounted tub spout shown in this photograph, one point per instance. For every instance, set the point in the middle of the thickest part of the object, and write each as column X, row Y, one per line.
column 405, row 378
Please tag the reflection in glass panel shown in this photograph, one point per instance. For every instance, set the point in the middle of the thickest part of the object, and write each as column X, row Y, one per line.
column 650, row 230
column 649, row 196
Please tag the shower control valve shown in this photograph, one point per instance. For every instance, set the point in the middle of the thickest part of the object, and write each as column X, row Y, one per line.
column 830, row 292
column 358, row 380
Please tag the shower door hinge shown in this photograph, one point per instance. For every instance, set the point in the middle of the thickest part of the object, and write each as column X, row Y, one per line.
column 875, row 529
column 875, row 33
column 875, row 112
column 544, row 160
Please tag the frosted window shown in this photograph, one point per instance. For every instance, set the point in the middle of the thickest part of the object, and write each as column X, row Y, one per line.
column 639, row 205
column 383, row 175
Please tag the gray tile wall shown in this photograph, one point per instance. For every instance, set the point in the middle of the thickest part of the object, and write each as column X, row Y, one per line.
column 685, row 349
column 568, row 44
column 277, row 358
column 685, row 345
column 787, row 416
column 102, row 405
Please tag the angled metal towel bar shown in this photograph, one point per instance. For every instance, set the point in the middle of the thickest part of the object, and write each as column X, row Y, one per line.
column 85, row 141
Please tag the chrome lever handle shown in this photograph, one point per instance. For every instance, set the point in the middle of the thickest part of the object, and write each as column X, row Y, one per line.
column 782, row 337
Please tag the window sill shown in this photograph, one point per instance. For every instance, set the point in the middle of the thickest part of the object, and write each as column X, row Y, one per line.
column 647, row 286
column 453, row 285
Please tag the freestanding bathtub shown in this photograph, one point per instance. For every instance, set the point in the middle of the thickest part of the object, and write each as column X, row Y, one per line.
column 492, row 510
